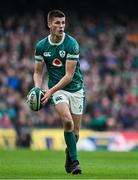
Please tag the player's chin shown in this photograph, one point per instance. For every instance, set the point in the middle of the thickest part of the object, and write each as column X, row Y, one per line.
column 60, row 34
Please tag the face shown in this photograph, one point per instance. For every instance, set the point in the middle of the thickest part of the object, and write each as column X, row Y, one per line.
column 57, row 26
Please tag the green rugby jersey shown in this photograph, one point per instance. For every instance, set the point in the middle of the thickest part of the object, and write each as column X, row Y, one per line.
column 55, row 56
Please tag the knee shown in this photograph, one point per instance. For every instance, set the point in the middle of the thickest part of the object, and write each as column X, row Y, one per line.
column 68, row 126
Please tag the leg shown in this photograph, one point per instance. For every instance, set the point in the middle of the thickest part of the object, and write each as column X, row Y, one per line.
column 65, row 105
column 64, row 113
column 77, row 123
column 72, row 164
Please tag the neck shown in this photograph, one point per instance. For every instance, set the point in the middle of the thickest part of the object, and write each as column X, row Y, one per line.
column 55, row 39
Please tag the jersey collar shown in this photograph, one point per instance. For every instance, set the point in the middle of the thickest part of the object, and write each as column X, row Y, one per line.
column 63, row 37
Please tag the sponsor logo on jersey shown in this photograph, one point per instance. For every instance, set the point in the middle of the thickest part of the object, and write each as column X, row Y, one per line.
column 62, row 53
column 57, row 62
column 47, row 54
column 58, row 98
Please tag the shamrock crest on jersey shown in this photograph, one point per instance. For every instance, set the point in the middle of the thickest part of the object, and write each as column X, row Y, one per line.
column 62, row 53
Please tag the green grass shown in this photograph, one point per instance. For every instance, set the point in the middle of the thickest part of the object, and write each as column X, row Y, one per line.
column 27, row 164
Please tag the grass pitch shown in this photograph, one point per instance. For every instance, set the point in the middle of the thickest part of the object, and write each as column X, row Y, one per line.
column 27, row 164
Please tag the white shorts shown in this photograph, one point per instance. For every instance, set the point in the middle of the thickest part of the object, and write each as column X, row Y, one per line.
column 75, row 100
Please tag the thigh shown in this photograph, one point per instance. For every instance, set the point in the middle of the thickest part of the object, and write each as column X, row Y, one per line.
column 63, row 110
column 58, row 97
column 77, row 102
column 65, row 115
column 61, row 103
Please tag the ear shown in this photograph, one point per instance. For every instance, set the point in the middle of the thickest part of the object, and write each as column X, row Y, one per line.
column 49, row 24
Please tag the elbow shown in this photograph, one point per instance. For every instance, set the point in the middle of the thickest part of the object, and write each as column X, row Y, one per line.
column 69, row 78
column 36, row 74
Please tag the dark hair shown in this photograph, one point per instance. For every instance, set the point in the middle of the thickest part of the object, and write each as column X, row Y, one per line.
column 54, row 13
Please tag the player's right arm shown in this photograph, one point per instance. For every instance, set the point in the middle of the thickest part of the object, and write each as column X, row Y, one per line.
column 38, row 68
column 38, row 74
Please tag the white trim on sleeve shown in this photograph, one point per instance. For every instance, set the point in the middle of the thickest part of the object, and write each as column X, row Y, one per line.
column 72, row 56
column 39, row 58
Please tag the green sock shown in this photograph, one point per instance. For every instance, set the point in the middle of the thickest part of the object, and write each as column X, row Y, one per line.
column 71, row 144
column 76, row 138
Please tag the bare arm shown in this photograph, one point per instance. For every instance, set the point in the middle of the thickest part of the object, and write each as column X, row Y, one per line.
column 38, row 72
column 67, row 78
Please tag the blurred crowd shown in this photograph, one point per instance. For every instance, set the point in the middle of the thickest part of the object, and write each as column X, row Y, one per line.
column 108, row 61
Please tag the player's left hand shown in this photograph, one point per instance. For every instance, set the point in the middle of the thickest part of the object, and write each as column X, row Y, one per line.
column 45, row 98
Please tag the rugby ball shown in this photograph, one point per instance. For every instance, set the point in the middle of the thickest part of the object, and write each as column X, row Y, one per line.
column 34, row 98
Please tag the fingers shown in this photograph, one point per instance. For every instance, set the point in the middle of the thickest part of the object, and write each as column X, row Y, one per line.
column 44, row 91
column 45, row 99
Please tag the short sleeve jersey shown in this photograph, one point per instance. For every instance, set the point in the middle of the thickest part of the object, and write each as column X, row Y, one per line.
column 55, row 56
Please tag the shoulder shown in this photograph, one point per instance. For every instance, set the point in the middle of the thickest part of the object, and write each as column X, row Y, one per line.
column 72, row 44
column 41, row 43
column 71, row 39
column 39, row 47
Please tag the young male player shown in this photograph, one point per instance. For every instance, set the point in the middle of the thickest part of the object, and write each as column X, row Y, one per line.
column 60, row 53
